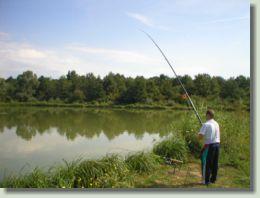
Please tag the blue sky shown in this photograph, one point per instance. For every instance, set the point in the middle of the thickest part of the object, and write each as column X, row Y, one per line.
column 99, row 36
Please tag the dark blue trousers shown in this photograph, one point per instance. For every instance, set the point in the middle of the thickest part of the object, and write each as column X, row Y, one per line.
column 212, row 163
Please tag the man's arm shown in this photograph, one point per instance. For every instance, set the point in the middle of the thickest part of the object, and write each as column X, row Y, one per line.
column 202, row 132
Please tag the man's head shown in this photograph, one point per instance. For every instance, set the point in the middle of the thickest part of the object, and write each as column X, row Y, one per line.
column 209, row 114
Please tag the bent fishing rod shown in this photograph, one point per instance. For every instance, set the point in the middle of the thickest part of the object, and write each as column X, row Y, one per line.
column 178, row 78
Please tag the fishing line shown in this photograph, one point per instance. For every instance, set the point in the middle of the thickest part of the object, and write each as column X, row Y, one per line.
column 177, row 77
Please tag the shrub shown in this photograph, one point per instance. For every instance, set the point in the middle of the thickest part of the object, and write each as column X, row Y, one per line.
column 193, row 143
column 36, row 179
column 107, row 172
column 142, row 162
column 110, row 171
column 174, row 147
column 64, row 176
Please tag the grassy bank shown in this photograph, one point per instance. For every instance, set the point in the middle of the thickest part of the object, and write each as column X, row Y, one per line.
column 142, row 170
column 201, row 103
column 93, row 105
column 109, row 172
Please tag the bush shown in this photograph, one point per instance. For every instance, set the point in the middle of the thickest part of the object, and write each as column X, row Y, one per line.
column 189, row 129
column 193, row 143
column 142, row 162
column 107, row 172
column 174, row 147
column 36, row 179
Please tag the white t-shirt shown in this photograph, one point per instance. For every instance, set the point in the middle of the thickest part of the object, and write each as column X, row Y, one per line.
column 210, row 131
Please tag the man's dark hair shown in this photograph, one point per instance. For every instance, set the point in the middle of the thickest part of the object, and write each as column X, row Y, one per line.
column 210, row 112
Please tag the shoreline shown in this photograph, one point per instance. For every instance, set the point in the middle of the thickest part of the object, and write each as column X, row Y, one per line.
column 118, row 106
column 139, row 170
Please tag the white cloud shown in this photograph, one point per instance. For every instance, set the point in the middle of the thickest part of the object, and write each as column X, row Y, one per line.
column 19, row 51
column 4, row 35
column 122, row 56
column 192, row 58
column 145, row 20
column 30, row 54
column 16, row 57
column 141, row 18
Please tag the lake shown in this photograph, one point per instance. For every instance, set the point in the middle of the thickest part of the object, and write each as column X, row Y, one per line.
column 33, row 136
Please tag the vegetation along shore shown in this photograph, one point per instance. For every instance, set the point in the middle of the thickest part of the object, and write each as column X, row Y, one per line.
column 115, row 90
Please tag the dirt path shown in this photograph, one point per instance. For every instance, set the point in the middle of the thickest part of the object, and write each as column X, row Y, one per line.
column 189, row 176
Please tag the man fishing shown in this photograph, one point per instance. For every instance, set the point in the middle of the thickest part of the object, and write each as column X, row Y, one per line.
column 209, row 130
column 210, row 151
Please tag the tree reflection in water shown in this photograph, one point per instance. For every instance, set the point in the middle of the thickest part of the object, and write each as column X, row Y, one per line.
column 88, row 122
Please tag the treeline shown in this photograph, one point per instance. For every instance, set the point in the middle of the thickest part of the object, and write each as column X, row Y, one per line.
column 118, row 89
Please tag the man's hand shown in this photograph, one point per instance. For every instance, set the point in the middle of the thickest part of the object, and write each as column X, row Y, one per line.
column 200, row 136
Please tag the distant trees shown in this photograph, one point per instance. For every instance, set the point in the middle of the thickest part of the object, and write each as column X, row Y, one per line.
column 93, row 88
column 135, row 91
column 203, row 85
column 231, row 90
column 3, row 89
column 26, row 86
column 118, row 89
column 165, row 85
column 46, row 89
column 188, row 83
column 153, row 91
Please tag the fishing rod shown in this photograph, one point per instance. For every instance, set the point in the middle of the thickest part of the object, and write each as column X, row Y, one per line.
column 178, row 78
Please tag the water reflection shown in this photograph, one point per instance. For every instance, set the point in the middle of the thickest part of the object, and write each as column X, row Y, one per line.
column 86, row 123
column 33, row 137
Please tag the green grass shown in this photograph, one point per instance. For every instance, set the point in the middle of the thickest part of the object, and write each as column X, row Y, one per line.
column 189, row 176
column 143, row 162
column 217, row 104
column 173, row 147
column 108, row 172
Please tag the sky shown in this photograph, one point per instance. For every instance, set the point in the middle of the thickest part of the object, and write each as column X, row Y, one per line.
column 101, row 36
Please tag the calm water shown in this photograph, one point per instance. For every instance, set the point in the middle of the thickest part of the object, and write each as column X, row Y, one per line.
column 31, row 137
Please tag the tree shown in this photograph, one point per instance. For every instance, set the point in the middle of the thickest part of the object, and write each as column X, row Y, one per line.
column 11, row 85
column 153, row 92
column 46, row 89
column 72, row 75
column 64, row 91
column 202, row 85
column 188, row 84
column 93, row 88
column 243, row 82
column 76, row 88
column 215, row 86
column 244, row 85
column 140, row 94
column 3, row 90
column 78, row 96
column 135, row 92
column 110, row 86
column 231, row 90
column 27, row 84
column 121, row 85
column 166, row 89
column 116, row 88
